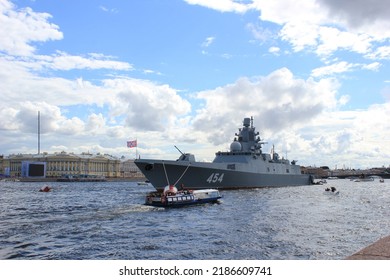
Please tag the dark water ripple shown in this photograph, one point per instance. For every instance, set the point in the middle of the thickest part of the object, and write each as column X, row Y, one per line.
column 108, row 221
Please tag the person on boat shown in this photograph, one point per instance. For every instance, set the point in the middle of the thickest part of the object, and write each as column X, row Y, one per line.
column 170, row 190
column 45, row 189
column 184, row 189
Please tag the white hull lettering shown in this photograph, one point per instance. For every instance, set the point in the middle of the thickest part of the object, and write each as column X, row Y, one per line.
column 215, row 177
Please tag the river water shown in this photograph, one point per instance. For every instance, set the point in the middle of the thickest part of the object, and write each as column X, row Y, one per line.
column 107, row 220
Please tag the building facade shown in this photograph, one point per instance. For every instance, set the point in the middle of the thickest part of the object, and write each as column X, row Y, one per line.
column 69, row 164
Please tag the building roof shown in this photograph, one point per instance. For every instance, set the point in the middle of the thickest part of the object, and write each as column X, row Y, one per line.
column 63, row 155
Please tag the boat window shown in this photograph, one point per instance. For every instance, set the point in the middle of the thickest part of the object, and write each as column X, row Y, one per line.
column 231, row 166
column 287, row 170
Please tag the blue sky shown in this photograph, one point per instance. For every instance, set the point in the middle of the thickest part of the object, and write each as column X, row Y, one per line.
column 314, row 75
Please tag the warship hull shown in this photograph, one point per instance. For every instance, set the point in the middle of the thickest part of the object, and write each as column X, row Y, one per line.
column 201, row 175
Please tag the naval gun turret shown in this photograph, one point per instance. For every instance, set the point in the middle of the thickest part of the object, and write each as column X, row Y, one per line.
column 185, row 156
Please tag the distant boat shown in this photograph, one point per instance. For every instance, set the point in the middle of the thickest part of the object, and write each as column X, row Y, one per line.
column 45, row 189
column 364, row 178
column 145, row 183
column 332, row 191
column 244, row 166
column 81, row 178
column 9, row 180
column 320, row 182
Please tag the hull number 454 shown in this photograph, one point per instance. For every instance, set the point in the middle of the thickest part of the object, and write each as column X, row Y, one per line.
column 215, row 177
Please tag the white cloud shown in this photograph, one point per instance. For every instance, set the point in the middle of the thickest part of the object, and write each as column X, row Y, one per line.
column 372, row 66
column 284, row 11
column 332, row 39
column 221, row 5
column 207, row 42
column 336, row 68
column 361, row 16
column 274, row 50
column 382, row 52
column 343, row 137
column 260, row 33
column 278, row 101
column 19, row 28
column 342, row 67
column 147, row 106
column 300, row 117
column 108, row 10
column 323, row 26
column 64, row 61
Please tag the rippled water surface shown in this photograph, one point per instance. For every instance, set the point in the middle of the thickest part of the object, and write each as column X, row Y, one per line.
column 109, row 221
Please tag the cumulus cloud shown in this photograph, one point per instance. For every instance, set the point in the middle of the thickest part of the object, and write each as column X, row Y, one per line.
column 326, row 26
column 362, row 16
column 146, row 105
column 343, row 136
column 278, row 101
column 35, row 88
column 20, row 27
column 323, row 26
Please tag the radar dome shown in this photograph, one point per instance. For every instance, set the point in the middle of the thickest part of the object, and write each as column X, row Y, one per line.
column 235, row 146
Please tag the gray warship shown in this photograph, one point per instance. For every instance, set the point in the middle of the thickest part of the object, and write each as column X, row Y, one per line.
column 244, row 166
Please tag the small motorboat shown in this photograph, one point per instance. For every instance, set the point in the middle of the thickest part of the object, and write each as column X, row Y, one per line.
column 332, row 190
column 320, row 182
column 144, row 183
column 45, row 189
column 364, row 178
column 171, row 197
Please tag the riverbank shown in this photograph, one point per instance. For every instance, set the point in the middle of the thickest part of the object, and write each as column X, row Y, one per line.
column 379, row 250
column 129, row 179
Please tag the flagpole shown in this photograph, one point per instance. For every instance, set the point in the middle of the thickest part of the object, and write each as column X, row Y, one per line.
column 132, row 144
column 136, row 148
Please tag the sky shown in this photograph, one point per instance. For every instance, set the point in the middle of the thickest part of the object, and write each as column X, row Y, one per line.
column 313, row 74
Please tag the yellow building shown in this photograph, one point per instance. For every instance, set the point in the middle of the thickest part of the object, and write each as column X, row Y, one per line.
column 63, row 164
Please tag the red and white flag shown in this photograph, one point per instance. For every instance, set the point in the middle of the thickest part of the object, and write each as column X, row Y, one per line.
column 132, row 144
